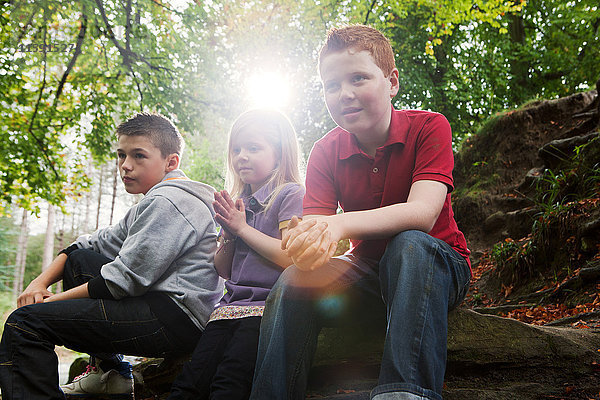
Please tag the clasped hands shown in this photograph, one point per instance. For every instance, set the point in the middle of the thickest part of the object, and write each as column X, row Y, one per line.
column 312, row 242
column 231, row 215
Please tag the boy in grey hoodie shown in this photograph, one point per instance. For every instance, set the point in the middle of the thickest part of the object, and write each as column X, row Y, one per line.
column 144, row 286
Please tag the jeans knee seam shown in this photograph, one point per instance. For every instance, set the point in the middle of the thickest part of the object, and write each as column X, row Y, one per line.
column 418, row 342
column 103, row 310
column 297, row 367
column 15, row 326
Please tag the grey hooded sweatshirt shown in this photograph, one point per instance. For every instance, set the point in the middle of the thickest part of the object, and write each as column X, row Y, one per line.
column 165, row 243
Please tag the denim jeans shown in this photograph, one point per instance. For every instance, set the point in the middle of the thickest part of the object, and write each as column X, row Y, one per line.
column 419, row 279
column 222, row 364
column 28, row 363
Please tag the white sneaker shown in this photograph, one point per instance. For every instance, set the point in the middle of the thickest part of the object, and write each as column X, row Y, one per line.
column 95, row 381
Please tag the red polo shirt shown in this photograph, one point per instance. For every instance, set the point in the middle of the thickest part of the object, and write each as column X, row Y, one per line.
column 419, row 147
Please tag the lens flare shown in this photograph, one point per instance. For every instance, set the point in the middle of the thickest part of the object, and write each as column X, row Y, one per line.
column 268, row 89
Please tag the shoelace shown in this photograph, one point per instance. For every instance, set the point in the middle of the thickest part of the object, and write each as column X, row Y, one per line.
column 89, row 369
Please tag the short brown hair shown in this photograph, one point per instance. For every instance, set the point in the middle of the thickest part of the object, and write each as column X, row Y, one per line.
column 360, row 37
column 157, row 128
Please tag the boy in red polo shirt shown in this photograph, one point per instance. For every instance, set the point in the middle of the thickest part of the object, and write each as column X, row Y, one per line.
column 391, row 173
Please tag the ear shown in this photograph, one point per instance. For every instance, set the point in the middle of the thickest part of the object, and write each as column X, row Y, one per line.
column 172, row 162
column 394, row 83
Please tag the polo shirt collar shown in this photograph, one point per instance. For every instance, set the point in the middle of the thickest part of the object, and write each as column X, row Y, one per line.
column 261, row 197
column 398, row 132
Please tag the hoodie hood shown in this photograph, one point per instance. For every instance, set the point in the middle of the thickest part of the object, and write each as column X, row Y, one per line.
column 178, row 179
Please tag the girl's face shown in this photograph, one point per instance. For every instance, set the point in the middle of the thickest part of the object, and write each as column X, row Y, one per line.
column 253, row 158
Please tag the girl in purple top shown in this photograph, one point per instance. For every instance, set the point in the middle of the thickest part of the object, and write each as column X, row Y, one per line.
column 265, row 194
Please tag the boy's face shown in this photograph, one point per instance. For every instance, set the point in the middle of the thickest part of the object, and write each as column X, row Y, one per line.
column 141, row 164
column 358, row 94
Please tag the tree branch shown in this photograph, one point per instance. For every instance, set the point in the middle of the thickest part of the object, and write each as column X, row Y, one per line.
column 76, row 53
column 369, row 11
column 39, row 142
column 27, row 24
column 125, row 53
column 127, row 25
column 199, row 3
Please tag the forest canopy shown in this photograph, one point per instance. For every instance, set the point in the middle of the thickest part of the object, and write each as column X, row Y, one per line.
column 71, row 71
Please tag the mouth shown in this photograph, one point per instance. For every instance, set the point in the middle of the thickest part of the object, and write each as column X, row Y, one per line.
column 127, row 179
column 350, row 111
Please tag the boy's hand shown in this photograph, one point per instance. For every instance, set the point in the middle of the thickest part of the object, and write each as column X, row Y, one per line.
column 310, row 243
column 34, row 293
column 229, row 214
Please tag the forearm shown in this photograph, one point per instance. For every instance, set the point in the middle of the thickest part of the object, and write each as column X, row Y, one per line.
column 53, row 273
column 382, row 222
column 419, row 212
column 79, row 292
column 265, row 245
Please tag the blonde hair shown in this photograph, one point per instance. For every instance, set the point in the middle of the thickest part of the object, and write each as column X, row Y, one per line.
column 280, row 134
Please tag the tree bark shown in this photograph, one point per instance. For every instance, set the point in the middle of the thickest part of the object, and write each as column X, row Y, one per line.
column 114, row 191
column 21, row 255
column 88, row 203
column 49, row 239
column 99, row 196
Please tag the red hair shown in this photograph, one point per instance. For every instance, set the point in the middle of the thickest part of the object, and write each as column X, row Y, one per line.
column 359, row 38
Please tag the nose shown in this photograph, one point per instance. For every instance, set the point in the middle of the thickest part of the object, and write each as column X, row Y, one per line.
column 243, row 154
column 126, row 164
column 346, row 92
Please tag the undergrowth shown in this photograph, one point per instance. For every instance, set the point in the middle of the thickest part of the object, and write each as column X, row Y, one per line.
column 564, row 197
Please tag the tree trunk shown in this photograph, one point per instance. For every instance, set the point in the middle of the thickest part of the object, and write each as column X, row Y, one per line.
column 114, row 191
column 21, row 255
column 88, row 203
column 49, row 239
column 519, row 65
column 99, row 196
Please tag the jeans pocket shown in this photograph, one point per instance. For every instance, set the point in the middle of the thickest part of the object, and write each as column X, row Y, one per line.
column 155, row 344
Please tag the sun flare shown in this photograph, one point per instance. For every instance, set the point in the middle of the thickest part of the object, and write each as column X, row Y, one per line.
column 268, row 89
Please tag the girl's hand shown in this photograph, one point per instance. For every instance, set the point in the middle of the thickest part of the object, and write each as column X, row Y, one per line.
column 229, row 214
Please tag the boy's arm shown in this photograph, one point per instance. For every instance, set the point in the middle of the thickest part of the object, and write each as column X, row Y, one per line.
column 224, row 256
column 79, row 292
column 158, row 235
column 309, row 244
column 37, row 290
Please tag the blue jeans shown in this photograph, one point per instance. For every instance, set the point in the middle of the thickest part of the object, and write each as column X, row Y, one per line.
column 28, row 363
column 419, row 279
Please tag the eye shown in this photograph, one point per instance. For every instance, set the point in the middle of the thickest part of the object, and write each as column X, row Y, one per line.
column 331, row 87
column 140, row 155
column 236, row 150
column 253, row 149
column 358, row 78
column 121, row 156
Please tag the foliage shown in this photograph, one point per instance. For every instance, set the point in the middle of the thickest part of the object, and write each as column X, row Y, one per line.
column 7, row 304
column 201, row 164
column 71, row 71
column 577, row 178
column 470, row 60
column 564, row 198
column 8, row 239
